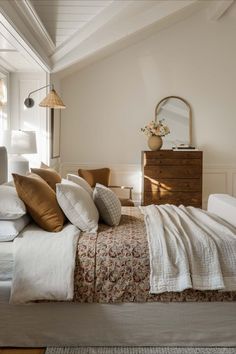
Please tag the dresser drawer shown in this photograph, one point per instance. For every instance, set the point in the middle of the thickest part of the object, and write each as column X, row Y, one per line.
column 176, row 198
column 172, row 162
column 173, row 185
column 170, row 154
column 190, row 171
column 172, row 177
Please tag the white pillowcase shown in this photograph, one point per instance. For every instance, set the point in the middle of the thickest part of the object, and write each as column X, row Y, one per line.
column 108, row 204
column 9, row 229
column 10, row 183
column 11, row 206
column 81, row 182
column 78, row 206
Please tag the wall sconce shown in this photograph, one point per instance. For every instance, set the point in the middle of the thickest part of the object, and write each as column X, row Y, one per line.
column 52, row 100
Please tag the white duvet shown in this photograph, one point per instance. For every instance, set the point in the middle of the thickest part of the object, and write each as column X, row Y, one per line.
column 44, row 264
column 6, row 260
column 189, row 248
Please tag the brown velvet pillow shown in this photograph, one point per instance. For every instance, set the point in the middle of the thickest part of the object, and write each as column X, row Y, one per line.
column 41, row 201
column 48, row 175
column 101, row 176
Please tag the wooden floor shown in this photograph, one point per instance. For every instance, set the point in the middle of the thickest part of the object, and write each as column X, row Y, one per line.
column 22, row 350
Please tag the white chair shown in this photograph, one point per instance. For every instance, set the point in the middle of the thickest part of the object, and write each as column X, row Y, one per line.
column 224, row 206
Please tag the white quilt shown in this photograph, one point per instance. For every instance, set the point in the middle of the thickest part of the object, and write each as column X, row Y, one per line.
column 44, row 264
column 189, row 248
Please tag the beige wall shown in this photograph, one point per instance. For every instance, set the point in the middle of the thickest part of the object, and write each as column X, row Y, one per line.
column 109, row 101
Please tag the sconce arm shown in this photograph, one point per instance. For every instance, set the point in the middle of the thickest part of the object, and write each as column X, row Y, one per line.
column 41, row 88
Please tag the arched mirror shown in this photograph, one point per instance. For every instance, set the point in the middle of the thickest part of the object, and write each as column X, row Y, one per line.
column 176, row 113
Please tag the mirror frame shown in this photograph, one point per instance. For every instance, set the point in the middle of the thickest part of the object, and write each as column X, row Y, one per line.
column 190, row 113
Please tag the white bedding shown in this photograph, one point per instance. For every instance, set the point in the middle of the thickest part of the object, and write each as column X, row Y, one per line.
column 189, row 248
column 6, row 260
column 126, row 324
column 44, row 264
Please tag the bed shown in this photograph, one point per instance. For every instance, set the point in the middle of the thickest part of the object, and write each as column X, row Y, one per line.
column 185, row 323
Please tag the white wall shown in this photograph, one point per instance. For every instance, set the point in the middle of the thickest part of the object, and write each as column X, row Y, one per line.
column 109, row 101
column 35, row 118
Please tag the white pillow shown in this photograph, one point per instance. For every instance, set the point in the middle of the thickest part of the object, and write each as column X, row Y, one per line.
column 81, row 182
column 9, row 229
column 10, row 184
column 108, row 204
column 78, row 206
column 11, row 206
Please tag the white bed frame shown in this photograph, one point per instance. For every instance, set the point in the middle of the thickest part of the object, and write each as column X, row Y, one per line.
column 126, row 324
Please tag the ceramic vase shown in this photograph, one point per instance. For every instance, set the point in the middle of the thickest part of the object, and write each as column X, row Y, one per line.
column 155, row 142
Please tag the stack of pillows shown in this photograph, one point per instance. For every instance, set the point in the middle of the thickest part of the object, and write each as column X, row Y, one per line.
column 13, row 217
column 49, row 200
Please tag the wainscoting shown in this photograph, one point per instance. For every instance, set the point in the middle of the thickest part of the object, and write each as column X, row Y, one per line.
column 216, row 178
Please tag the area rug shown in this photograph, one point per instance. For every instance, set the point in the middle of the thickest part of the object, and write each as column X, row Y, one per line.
column 140, row 350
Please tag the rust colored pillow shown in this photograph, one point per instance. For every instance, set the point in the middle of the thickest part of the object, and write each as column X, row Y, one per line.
column 41, row 201
column 101, row 176
column 48, row 175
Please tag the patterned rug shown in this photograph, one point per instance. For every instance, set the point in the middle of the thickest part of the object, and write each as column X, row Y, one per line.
column 140, row 350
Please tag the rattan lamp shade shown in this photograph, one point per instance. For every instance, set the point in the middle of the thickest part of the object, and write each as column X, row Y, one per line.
column 52, row 100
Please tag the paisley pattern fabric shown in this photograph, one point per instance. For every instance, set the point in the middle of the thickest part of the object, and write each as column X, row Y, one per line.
column 112, row 266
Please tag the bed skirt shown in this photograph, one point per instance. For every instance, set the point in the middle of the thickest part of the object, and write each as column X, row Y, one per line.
column 124, row 324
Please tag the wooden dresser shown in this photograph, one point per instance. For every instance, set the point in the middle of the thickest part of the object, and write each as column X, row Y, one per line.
column 172, row 177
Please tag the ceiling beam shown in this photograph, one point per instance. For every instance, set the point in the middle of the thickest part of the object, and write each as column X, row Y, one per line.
column 5, row 64
column 29, row 14
column 15, row 30
column 107, row 15
column 129, row 24
column 218, row 9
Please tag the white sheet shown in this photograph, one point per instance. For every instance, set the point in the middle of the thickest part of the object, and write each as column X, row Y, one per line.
column 44, row 264
column 6, row 260
column 189, row 248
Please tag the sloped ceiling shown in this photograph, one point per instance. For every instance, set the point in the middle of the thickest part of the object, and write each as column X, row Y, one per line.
column 64, row 34
column 62, row 18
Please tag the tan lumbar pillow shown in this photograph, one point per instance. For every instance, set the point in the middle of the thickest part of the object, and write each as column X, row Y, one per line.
column 48, row 175
column 40, row 201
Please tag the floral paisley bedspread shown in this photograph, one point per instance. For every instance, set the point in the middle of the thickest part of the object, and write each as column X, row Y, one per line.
column 112, row 266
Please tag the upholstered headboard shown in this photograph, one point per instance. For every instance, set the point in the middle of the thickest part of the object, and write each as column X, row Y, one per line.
column 3, row 165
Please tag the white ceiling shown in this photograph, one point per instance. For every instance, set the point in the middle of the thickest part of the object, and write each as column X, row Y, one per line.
column 12, row 60
column 64, row 35
column 62, row 18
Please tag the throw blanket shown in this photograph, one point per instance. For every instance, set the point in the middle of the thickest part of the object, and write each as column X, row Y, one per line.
column 44, row 265
column 189, row 248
